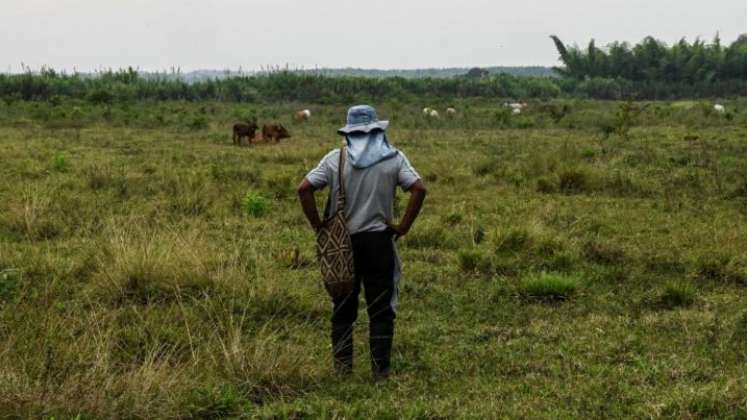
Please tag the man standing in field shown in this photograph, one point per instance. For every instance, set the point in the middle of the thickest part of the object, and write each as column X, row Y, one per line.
column 371, row 175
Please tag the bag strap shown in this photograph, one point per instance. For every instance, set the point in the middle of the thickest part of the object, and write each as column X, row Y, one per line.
column 340, row 179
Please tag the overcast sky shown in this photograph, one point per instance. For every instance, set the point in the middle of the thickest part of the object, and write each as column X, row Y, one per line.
column 220, row 34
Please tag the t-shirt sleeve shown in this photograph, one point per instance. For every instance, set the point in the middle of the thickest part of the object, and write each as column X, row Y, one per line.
column 407, row 174
column 319, row 177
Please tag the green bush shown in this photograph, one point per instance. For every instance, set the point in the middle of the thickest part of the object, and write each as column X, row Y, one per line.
column 548, row 286
column 676, row 294
column 573, row 181
column 60, row 163
column 255, row 204
column 473, row 260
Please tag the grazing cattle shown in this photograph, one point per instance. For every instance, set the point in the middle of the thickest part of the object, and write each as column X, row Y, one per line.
column 719, row 108
column 516, row 107
column 241, row 130
column 302, row 115
column 275, row 132
column 433, row 113
column 451, row 111
column 427, row 111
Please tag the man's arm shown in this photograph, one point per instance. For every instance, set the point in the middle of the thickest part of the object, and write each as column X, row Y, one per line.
column 417, row 196
column 308, row 203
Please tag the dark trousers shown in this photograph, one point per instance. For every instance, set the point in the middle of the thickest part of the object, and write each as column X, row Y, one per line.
column 373, row 254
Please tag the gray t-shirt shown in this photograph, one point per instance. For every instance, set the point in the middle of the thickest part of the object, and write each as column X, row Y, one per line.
column 370, row 191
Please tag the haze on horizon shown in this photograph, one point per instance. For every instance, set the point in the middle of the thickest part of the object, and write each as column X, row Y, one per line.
column 156, row 35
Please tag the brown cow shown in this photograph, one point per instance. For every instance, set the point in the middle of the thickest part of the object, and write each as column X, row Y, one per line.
column 274, row 132
column 241, row 130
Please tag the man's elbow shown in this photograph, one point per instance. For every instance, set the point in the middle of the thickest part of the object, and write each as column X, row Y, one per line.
column 305, row 188
column 419, row 188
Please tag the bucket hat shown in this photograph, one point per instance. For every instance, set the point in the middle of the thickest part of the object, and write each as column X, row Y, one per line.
column 362, row 119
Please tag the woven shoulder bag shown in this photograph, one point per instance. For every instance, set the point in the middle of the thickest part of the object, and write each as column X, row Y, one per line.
column 333, row 244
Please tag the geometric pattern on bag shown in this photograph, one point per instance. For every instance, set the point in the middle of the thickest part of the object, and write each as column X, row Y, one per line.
column 334, row 246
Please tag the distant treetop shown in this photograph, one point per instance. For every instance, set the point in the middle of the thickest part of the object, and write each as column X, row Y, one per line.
column 652, row 60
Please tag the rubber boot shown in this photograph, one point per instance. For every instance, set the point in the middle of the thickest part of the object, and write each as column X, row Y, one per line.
column 342, row 348
column 380, row 342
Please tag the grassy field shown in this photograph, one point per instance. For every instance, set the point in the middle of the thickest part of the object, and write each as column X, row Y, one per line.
column 586, row 262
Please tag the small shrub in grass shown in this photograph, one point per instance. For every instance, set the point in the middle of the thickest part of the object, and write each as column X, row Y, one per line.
column 485, row 168
column 513, row 241
column 573, row 181
column 547, row 185
column 60, row 163
column 473, row 260
column 676, row 294
column 720, row 268
column 255, row 204
column 548, row 286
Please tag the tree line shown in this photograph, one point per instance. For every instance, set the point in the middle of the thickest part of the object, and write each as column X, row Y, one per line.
column 650, row 69
column 128, row 84
column 654, row 61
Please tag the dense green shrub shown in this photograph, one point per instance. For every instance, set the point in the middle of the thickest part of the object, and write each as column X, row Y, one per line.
column 255, row 204
column 548, row 286
column 573, row 181
column 676, row 294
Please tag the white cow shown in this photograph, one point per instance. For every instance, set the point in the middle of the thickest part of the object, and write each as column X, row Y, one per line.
column 719, row 108
column 433, row 113
column 426, row 111
column 302, row 115
column 516, row 107
column 451, row 111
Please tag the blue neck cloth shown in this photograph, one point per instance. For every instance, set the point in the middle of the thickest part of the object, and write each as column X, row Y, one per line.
column 368, row 149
